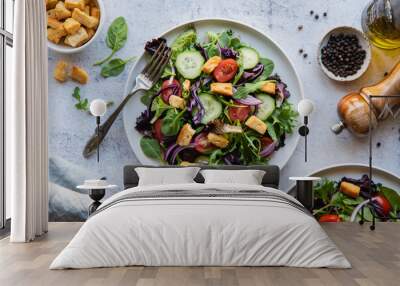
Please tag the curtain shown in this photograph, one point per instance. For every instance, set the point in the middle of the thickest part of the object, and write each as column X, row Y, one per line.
column 26, row 124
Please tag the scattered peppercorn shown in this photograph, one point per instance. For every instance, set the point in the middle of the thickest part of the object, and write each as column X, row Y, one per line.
column 385, row 74
column 300, row 27
column 305, row 55
column 311, row 12
column 343, row 55
column 300, row 51
column 316, row 17
column 325, row 14
column 378, row 144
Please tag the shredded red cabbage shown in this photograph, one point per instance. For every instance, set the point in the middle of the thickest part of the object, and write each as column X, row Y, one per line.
column 268, row 150
column 251, row 74
column 249, row 100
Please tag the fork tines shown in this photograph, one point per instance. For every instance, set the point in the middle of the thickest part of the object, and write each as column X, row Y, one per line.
column 158, row 61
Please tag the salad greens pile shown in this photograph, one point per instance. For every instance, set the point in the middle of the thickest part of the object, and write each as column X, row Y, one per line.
column 217, row 102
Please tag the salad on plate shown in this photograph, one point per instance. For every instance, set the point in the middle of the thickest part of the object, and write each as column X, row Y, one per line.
column 217, row 102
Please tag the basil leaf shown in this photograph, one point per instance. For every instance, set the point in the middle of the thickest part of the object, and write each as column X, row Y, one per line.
column 117, row 35
column 268, row 68
column 114, row 67
column 243, row 91
column 151, row 148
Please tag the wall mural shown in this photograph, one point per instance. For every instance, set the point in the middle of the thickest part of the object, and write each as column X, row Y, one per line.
column 235, row 103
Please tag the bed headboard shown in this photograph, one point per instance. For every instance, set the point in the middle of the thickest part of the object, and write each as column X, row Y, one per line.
column 271, row 177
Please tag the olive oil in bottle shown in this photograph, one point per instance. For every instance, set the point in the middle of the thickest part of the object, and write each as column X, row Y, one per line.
column 381, row 23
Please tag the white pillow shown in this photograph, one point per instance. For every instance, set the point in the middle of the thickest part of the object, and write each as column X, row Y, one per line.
column 166, row 176
column 248, row 177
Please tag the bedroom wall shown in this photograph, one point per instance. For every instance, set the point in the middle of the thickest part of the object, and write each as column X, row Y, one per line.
column 69, row 128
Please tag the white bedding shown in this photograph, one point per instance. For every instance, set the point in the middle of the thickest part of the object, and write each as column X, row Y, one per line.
column 183, row 231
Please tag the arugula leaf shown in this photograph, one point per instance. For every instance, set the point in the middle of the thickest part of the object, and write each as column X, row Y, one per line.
column 324, row 190
column 117, row 35
column 183, row 42
column 151, row 148
column 172, row 122
column 283, row 119
column 159, row 106
column 244, row 90
column 82, row 105
column 114, row 67
column 268, row 68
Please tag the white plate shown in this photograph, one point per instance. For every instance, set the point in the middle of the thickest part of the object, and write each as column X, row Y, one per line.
column 266, row 47
column 355, row 171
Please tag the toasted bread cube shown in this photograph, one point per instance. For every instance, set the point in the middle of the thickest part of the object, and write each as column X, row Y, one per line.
column 52, row 14
column 186, row 85
column 50, row 4
column 350, row 189
column 256, row 124
column 86, row 20
column 87, row 10
column 79, row 74
column 72, row 4
column 55, row 35
column 217, row 140
column 177, row 102
column 222, row 88
column 185, row 135
column 71, row 26
column 269, row 87
column 95, row 12
column 211, row 64
column 90, row 33
column 61, row 11
column 187, row 164
column 77, row 39
column 53, row 23
column 60, row 72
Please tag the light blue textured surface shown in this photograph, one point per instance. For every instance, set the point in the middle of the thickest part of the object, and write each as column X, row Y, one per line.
column 69, row 129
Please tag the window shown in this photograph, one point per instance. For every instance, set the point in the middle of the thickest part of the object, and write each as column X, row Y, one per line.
column 6, row 62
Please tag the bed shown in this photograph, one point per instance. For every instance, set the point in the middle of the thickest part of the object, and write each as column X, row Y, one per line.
column 201, row 224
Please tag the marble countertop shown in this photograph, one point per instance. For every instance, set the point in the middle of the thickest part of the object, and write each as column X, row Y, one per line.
column 69, row 129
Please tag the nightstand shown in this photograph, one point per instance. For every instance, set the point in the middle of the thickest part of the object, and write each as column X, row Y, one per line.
column 97, row 190
column 304, row 190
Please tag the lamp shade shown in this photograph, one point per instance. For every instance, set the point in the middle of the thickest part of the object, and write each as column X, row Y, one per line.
column 305, row 107
column 98, row 107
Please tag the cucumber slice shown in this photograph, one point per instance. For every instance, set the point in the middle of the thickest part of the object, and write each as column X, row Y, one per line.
column 250, row 57
column 189, row 64
column 267, row 106
column 212, row 107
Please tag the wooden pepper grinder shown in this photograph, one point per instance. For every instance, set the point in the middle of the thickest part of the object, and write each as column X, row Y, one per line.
column 353, row 109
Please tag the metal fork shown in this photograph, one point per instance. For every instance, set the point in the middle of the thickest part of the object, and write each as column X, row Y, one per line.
column 144, row 81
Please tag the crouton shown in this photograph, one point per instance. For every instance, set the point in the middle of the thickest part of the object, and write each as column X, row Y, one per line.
column 222, row 88
column 186, row 85
column 90, row 33
column 50, row 4
column 53, row 23
column 185, row 135
column 95, row 12
column 217, row 140
column 72, row 4
column 77, row 39
column 177, row 102
column 52, row 14
column 187, row 164
column 61, row 11
column 71, row 26
column 55, row 35
column 269, row 87
column 79, row 74
column 60, row 72
column 350, row 189
column 211, row 64
column 256, row 124
column 87, row 10
column 86, row 20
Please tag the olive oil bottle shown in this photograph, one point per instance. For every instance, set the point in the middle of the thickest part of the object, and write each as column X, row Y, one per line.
column 381, row 23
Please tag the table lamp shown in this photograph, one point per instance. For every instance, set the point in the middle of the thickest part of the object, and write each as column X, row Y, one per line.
column 98, row 108
column 305, row 108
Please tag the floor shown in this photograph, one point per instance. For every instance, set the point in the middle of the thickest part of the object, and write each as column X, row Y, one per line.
column 375, row 257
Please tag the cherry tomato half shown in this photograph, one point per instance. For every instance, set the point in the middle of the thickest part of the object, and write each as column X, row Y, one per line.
column 383, row 204
column 157, row 130
column 202, row 145
column 226, row 70
column 238, row 113
column 329, row 218
column 167, row 92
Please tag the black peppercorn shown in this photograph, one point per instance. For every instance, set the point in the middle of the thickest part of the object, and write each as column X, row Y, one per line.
column 311, row 12
column 300, row 51
column 316, row 17
column 325, row 14
column 305, row 55
column 300, row 27
column 378, row 144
